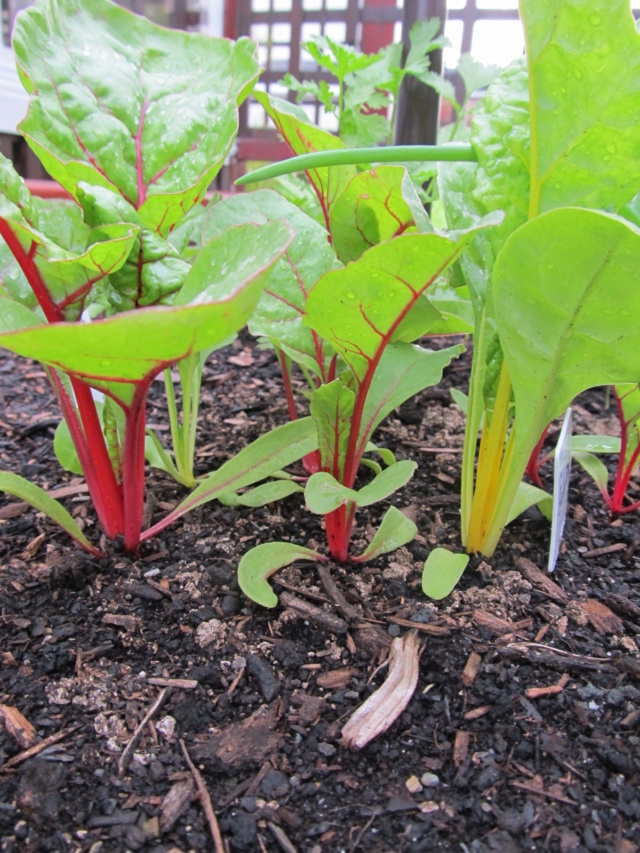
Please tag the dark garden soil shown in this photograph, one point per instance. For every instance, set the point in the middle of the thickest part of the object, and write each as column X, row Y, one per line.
column 523, row 733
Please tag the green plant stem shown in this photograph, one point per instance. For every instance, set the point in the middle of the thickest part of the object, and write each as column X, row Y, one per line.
column 449, row 152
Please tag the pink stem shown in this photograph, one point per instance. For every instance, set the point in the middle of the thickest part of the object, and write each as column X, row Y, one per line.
column 133, row 467
column 535, row 464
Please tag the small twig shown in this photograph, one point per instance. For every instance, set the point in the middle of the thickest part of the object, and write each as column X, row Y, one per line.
column 531, row 789
column 349, row 612
column 205, row 801
column 235, row 682
column 127, row 755
column 38, row 748
column 315, row 614
column 281, row 837
column 180, row 683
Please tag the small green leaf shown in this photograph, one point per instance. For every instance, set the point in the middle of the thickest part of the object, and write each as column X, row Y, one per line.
column 594, row 467
column 262, row 561
column 65, row 450
column 280, row 447
column 386, row 483
column 442, row 571
column 40, row 500
column 324, row 494
column 269, row 493
column 528, row 495
column 384, row 453
column 394, row 532
column 460, row 399
column 595, row 443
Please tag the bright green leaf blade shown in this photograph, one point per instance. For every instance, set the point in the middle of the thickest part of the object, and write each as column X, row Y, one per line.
column 371, row 210
column 527, row 496
column 65, row 450
column 386, row 483
column 595, row 443
column 131, row 346
column 360, row 308
column 475, row 75
column 584, row 67
column 122, row 103
column 395, row 531
column 324, row 494
column 281, row 308
column 571, row 323
column 460, row 399
column 283, row 446
column 302, row 137
column 442, row 571
column 38, row 498
column 269, row 493
column 594, row 467
column 403, row 371
column 14, row 316
column 384, row 453
column 331, row 409
column 261, row 562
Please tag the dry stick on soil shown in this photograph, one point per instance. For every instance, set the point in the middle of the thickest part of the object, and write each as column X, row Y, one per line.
column 423, row 627
column 554, row 658
column 38, row 748
column 537, row 692
column 205, row 801
column 127, row 755
column 281, row 837
column 384, row 706
column 314, row 614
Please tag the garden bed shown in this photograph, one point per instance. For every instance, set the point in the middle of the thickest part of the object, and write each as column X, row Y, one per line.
column 522, row 733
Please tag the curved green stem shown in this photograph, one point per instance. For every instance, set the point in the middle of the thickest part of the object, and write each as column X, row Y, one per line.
column 449, row 152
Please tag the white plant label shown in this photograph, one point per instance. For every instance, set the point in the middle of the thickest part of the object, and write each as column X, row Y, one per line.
column 561, row 472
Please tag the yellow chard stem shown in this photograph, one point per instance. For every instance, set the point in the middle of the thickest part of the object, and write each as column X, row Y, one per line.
column 489, row 459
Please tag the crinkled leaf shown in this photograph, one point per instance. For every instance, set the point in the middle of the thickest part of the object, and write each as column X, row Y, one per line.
column 395, row 531
column 331, row 409
column 38, row 498
column 561, row 340
column 281, row 308
column 283, row 446
column 442, row 571
column 120, row 102
column 362, row 129
column 302, row 137
column 118, row 353
column 262, row 561
column 527, row 496
column 371, row 210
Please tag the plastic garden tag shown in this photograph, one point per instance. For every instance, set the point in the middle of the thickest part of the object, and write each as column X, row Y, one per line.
column 562, row 470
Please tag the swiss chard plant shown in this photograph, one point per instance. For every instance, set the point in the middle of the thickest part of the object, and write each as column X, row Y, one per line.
column 134, row 121
column 586, row 451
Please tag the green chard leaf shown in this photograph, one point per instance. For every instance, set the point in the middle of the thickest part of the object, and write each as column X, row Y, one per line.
column 559, row 341
column 117, row 354
column 442, row 571
column 395, row 531
column 281, row 308
column 106, row 84
column 371, row 210
column 261, row 562
column 302, row 137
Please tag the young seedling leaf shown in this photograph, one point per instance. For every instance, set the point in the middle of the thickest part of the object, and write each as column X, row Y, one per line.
column 395, row 531
column 106, row 86
column 283, row 446
column 386, row 483
column 331, row 409
column 460, row 399
column 269, row 493
column 442, row 571
column 594, row 467
column 262, row 561
column 528, row 495
column 324, row 494
column 38, row 498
